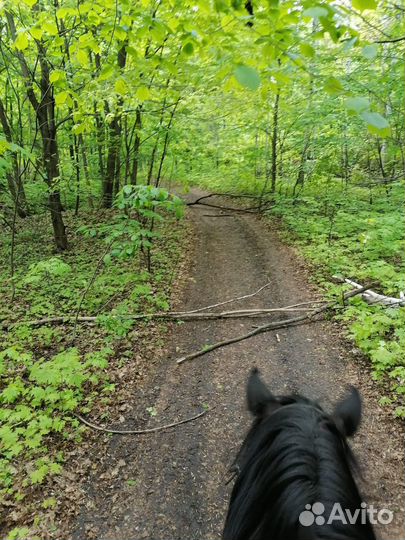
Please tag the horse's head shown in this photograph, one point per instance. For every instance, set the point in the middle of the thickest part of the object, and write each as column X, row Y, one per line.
column 294, row 455
column 262, row 403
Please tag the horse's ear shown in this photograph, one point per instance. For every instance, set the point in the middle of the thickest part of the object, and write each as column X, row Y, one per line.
column 347, row 413
column 259, row 396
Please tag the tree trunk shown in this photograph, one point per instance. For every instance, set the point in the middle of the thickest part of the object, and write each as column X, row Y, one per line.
column 45, row 117
column 111, row 180
column 14, row 181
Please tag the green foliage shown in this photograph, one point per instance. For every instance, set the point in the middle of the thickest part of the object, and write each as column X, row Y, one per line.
column 46, row 269
column 346, row 236
column 44, row 380
column 133, row 230
column 36, row 399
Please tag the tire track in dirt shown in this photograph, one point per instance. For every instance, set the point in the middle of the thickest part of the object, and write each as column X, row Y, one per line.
column 179, row 476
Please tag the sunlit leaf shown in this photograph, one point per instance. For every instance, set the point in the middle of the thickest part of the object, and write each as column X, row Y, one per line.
column 361, row 5
column 143, row 93
column 121, row 87
column 36, row 32
column 307, row 50
column 21, row 42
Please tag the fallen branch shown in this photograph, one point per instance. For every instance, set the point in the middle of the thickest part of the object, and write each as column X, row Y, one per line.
column 140, row 431
column 193, row 315
column 251, row 210
column 234, row 195
column 372, row 297
column 269, row 326
column 236, row 314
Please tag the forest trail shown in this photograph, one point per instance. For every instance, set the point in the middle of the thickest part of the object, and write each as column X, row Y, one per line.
column 178, row 489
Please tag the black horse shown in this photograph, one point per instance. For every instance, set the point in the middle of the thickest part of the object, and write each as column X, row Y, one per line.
column 292, row 470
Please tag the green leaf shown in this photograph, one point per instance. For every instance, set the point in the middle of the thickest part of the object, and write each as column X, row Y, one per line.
column 361, row 5
column 316, row 12
column 357, row 104
column 375, row 119
column 370, row 51
column 188, row 48
column 57, row 75
column 247, row 77
column 143, row 93
column 21, row 42
column 82, row 57
column 121, row 87
column 61, row 98
column 333, row 86
column 307, row 50
column 36, row 32
column 50, row 28
column 106, row 73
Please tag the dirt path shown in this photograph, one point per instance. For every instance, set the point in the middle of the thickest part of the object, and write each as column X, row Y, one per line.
column 171, row 485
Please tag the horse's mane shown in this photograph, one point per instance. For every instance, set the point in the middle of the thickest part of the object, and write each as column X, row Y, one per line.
column 294, row 457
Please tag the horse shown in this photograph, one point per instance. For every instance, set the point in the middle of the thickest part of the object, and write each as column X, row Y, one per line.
column 294, row 469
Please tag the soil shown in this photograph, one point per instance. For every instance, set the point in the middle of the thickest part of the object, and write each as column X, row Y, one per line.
column 171, row 485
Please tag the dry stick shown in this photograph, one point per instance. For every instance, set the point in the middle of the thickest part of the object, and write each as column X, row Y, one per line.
column 140, row 431
column 227, row 301
column 270, row 326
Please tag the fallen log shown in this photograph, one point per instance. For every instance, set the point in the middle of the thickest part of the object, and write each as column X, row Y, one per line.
column 373, row 298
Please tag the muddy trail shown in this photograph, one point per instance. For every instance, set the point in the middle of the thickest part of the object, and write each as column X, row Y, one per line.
column 171, row 485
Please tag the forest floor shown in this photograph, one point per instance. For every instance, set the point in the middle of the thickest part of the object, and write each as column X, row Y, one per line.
column 172, row 484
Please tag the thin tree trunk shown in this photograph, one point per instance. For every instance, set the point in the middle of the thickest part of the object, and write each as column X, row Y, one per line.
column 137, row 144
column 166, row 141
column 111, row 181
column 274, row 143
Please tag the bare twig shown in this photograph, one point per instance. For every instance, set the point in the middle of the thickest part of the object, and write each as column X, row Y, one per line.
column 393, row 40
column 140, row 431
column 269, row 326
column 236, row 299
